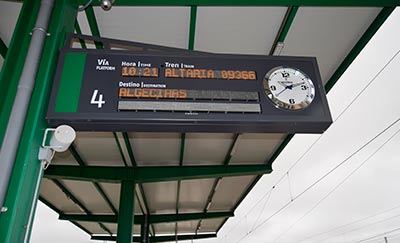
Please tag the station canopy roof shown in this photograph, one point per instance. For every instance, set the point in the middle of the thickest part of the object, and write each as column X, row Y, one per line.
column 332, row 31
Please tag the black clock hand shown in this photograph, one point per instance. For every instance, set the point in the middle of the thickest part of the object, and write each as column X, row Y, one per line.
column 286, row 88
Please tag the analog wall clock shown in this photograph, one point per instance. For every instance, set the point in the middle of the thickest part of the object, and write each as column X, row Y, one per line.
column 289, row 88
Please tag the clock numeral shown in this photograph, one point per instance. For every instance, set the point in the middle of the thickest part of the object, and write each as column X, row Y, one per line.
column 291, row 101
column 285, row 75
column 303, row 87
column 273, row 87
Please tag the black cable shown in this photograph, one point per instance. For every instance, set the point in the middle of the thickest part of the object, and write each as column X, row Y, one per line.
column 342, row 181
column 351, row 223
column 321, row 178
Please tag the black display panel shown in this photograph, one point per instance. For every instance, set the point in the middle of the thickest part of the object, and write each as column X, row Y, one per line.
column 105, row 90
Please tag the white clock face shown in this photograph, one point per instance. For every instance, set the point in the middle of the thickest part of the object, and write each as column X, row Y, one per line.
column 289, row 88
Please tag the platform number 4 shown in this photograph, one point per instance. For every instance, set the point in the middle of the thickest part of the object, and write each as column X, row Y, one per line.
column 97, row 100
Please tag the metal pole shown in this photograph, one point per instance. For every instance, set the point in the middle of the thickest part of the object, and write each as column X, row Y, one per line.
column 16, row 121
column 126, row 212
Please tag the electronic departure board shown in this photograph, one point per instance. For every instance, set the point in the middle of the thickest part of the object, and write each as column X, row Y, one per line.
column 106, row 90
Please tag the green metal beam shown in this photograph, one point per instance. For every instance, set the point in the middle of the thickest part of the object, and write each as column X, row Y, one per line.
column 120, row 148
column 94, row 28
column 129, row 148
column 25, row 173
column 126, row 207
column 98, row 187
column 139, row 219
column 154, row 239
column 79, row 32
column 362, row 42
column 48, row 204
column 151, row 174
column 3, row 49
column 285, row 26
column 192, row 28
column 365, row 3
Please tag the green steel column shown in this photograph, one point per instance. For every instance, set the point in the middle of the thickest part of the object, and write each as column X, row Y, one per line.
column 126, row 212
column 26, row 169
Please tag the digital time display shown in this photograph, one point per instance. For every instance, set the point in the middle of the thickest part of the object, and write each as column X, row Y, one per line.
column 139, row 72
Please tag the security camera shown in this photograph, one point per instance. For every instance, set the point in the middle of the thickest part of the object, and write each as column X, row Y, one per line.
column 62, row 138
column 106, row 4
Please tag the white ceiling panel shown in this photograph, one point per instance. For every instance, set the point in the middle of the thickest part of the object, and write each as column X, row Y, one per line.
column 161, row 196
column 83, row 23
column 53, row 194
column 229, row 192
column 194, row 195
column 206, row 148
column 255, row 148
column 114, row 227
column 153, row 25
column 186, row 227
column 164, row 228
column 9, row 12
column 209, row 225
column 64, row 158
column 241, row 30
column 90, row 146
column 330, row 38
column 87, row 194
column 155, row 148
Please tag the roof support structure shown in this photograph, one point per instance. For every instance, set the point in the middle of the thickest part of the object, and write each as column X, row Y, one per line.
column 48, row 204
column 94, row 28
column 98, row 187
column 362, row 42
column 133, row 161
column 126, row 207
column 153, row 219
column 284, row 29
column 78, row 203
column 151, row 174
column 227, row 159
column 3, row 49
column 366, row 3
column 26, row 168
column 79, row 32
column 165, row 238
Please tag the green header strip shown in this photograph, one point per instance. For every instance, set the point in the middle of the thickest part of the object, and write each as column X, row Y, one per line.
column 70, row 83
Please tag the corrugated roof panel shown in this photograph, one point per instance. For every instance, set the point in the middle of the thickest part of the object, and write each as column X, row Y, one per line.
column 155, row 148
column 161, row 196
column 255, row 148
column 90, row 146
column 194, row 194
column 206, row 148
column 87, row 194
column 240, row 30
column 54, row 195
column 153, row 25
column 229, row 192
column 327, row 33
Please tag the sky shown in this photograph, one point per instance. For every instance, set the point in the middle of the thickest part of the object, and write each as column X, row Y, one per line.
column 341, row 186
